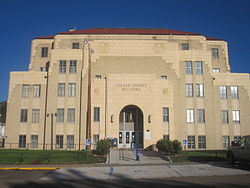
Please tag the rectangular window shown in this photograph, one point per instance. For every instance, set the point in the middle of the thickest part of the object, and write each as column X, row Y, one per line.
column 72, row 89
column 200, row 115
column 184, row 46
column 188, row 67
column 98, row 77
column 62, row 66
column 75, row 45
column 60, row 115
column 71, row 115
column 198, row 67
column 35, row 115
column 61, row 90
column 120, row 137
column 165, row 114
column 191, row 142
column 225, row 141
column 237, row 138
column 34, row 141
column 96, row 113
column 165, row 137
column 224, row 116
column 234, row 92
column 72, row 66
column 59, row 141
column 164, row 77
column 70, row 141
column 25, row 90
column 215, row 53
column 236, row 116
column 36, row 91
column 24, row 115
column 22, row 141
column 189, row 90
column 95, row 140
column 216, row 70
column 199, row 90
column 190, row 115
column 202, row 142
column 223, row 92
column 44, row 52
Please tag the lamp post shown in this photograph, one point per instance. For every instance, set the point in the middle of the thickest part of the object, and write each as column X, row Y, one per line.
column 52, row 126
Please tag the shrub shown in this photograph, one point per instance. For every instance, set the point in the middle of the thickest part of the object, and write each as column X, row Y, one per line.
column 169, row 147
column 164, row 146
column 103, row 146
column 176, row 146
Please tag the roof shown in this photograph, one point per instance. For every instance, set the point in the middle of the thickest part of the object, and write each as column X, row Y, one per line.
column 127, row 31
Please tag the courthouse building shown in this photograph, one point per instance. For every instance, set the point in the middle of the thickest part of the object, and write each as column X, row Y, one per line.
column 136, row 85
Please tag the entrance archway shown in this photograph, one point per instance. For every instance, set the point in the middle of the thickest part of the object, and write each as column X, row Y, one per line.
column 131, row 127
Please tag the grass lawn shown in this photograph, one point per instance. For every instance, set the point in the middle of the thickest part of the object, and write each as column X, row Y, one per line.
column 200, row 156
column 47, row 157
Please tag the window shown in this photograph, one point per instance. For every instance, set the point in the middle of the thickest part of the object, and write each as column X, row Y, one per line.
column 149, row 118
column 184, row 46
column 199, row 90
column 36, row 91
column 165, row 114
column 164, row 77
column 188, row 67
column 225, row 141
column 200, row 115
column 70, row 141
column 75, row 45
column 202, row 142
column 59, row 141
column 96, row 113
column 61, row 90
column 22, row 141
column 25, row 90
column 35, row 115
column 236, row 116
column 224, row 116
column 189, row 90
column 223, row 92
column 72, row 66
column 216, row 70
column 234, row 92
column 95, row 140
column 34, row 141
column 215, row 53
column 120, row 137
column 198, row 67
column 191, row 142
column 72, row 89
column 71, row 115
column 237, row 138
column 62, row 66
column 24, row 115
column 98, row 77
column 190, row 115
column 60, row 115
column 44, row 52
column 165, row 137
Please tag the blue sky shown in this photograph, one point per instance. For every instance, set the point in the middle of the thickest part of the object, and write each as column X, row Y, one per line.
column 22, row 20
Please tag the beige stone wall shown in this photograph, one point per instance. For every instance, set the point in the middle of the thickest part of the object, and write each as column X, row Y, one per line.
column 138, row 60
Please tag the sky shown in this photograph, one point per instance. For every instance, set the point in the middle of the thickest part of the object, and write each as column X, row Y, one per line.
column 23, row 20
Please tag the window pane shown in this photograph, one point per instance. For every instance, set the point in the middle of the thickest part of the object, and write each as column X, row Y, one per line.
column 62, row 66
column 236, row 116
column 165, row 114
column 191, row 142
column 223, row 92
column 72, row 89
column 44, row 52
column 216, row 70
column 72, row 67
column 198, row 67
column 70, row 141
column 75, row 45
column 96, row 113
column 71, row 115
column 202, row 142
column 59, row 141
column 35, row 115
column 22, row 141
column 224, row 116
column 34, row 141
column 201, row 115
column 199, row 90
column 190, row 116
column 60, row 115
column 25, row 90
column 36, row 91
column 24, row 115
column 215, row 53
column 225, row 141
column 189, row 90
column 61, row 90
column 184, row 46
column 234, row 92
column 188, row 67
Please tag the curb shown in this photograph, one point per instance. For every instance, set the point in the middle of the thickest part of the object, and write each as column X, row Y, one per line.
column 29, row 168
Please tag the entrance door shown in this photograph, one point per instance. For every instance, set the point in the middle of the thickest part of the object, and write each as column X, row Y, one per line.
column 131, row 127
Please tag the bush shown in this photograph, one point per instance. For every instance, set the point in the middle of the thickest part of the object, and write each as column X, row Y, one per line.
column 168, row 146
column 103, row 146
column 176, row 146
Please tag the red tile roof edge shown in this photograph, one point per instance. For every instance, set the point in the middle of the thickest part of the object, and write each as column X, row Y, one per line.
column 46, row 37
column 212, row 38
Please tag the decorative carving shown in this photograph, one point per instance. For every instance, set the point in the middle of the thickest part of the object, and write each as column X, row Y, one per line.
column 103, row 47
column 97, row 91
column 158, row 48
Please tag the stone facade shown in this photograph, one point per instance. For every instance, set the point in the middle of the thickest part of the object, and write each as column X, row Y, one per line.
column 145, row 72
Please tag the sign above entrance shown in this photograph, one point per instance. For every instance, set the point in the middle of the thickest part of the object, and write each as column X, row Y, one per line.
column 131, row 86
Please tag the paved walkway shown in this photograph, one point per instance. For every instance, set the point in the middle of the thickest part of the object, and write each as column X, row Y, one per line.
column 129, row 156
column 142, row 171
